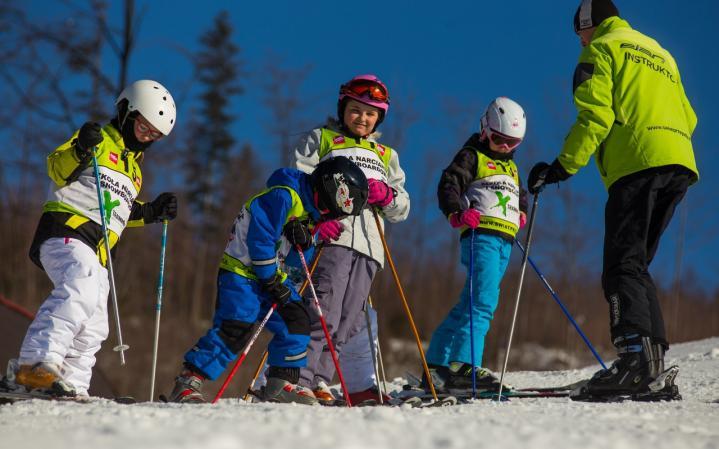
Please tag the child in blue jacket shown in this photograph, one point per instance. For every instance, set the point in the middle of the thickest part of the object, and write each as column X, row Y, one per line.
column 249, row 280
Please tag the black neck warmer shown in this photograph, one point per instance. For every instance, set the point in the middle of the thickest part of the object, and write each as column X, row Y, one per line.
column 127, row 132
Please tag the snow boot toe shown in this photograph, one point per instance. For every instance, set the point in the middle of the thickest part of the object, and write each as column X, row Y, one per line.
column 282, row 387
column 460, row 379
column 188, row 386
column 323, row 394
column 45, row 377
column 440, row 375
column 370, row 394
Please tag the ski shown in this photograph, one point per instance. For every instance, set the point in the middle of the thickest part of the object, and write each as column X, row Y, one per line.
column 465, row 396
column 567, row 387
column 411, row 401
column 11, row 397
column 413, row 382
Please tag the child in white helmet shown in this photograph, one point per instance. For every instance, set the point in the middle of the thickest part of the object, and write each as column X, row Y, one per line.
column 480, row 194
column 349, row 261
column 58, row 352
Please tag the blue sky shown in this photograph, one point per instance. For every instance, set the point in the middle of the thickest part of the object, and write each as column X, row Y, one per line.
column 435, row 54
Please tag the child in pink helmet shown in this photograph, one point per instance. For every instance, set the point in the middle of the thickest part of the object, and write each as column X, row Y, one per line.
column 351, row 259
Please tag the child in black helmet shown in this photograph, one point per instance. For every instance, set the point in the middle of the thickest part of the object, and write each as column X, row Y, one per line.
column 249, row 281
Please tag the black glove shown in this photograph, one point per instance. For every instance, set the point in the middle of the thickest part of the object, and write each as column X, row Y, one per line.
column 297, row 233
column 164, row 207
column 90, row 135
column 276, row 289
column 543, row 174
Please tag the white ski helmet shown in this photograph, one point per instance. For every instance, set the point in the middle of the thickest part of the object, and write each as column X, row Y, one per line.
column 506, row 118
column 153, row 101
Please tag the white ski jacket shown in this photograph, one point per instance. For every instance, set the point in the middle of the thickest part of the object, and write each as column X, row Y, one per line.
column 376, row 161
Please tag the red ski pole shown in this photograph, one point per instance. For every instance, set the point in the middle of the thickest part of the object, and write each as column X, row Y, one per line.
column 249, row 344
column 324, row 326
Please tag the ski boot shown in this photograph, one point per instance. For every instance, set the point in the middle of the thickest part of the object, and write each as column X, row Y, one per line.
column 638, row 374
column 369, row 396
column 440, row 375
column 187, row 388
column 282, row 387
column 44, row 377
column 323, row 394
column 460, row 379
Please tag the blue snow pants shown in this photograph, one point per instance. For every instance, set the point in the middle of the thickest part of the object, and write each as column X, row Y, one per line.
column 240, row 303
column 451, row 341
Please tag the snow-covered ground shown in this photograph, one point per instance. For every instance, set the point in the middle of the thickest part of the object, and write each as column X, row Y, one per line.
column 521, row 423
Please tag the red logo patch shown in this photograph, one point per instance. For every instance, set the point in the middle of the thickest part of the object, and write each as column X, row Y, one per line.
column 381, row 149
column 338, row 140
column 113, row 158
column 491, row 166
column 138, row 180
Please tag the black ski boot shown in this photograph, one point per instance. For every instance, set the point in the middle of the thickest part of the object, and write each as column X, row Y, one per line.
column 187, row 388
column 439, row 374
column 460, row 379
column 638, row 374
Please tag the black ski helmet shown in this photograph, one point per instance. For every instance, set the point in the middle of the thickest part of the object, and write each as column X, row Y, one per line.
column 341, row 187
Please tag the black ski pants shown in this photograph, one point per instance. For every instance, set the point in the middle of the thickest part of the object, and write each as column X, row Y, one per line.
column 638, row 211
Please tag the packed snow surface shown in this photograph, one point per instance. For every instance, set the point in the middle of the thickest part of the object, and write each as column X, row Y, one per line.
column 554, row 423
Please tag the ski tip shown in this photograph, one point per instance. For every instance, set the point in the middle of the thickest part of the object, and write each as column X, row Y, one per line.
column 127, row 400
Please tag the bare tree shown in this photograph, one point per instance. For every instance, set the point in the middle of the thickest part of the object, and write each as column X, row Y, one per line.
column 284, row 98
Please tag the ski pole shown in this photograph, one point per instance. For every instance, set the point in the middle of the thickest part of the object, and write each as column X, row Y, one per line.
column 379, row 352
column 260, row 365
column 530, row 227
column 372, row 351
column 158, row 308
column 471, row 313
column 404, row 302
column 561, row 305
column 324, row 326
column 121, row 348
column 246, row 349
column 266, row 353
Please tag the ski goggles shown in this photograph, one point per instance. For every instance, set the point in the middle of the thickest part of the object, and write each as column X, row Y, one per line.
column 145, row 129
column 371, row 89
column 502, row 140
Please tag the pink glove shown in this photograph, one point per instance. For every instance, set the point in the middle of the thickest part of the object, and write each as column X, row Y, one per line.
column 468, row 217
column 380, row 194
column 522, row 219
column 328, row 230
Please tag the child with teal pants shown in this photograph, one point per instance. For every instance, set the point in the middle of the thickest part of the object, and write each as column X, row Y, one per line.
column 481, row 195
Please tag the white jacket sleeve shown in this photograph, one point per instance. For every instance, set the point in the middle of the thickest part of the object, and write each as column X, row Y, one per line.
column 398, row 209
column 307, row 151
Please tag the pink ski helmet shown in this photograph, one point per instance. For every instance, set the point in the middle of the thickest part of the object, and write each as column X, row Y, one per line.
column 367, row 89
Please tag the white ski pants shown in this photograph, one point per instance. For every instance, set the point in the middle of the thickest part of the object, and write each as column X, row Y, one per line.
column 72, row 322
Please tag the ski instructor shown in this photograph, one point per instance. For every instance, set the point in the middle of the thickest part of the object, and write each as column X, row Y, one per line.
column 634, row 117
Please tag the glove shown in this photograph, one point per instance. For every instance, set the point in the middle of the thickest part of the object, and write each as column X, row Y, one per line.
column 164, row 207
column 297, row 233
column 522, row 219
column 467, row 217
column 380, row 194
column 278, row 292
column 90, row 135
column 328, row 230
column 543, row 174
